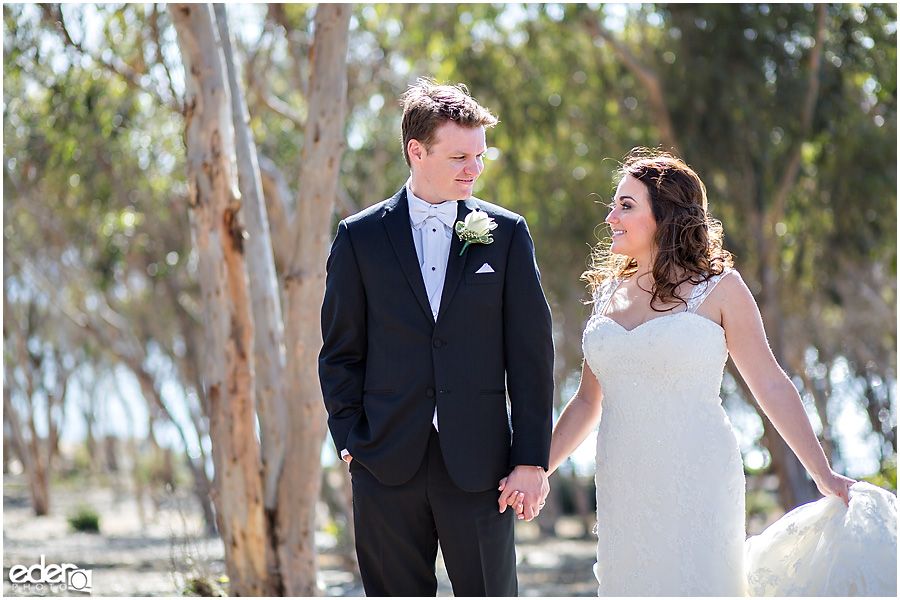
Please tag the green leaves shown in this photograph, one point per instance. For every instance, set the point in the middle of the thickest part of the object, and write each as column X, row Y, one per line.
column 94, row 158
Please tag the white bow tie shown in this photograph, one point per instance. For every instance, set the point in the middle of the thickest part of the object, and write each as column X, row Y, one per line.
column 446, row 212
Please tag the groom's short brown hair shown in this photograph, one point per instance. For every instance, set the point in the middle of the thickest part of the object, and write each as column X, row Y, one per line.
column 427, row 106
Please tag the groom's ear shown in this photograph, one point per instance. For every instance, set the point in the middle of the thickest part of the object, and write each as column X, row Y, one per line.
column 416, row 150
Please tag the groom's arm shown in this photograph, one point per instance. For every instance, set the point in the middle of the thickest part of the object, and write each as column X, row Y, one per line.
column 528, row 346
column 342, row 360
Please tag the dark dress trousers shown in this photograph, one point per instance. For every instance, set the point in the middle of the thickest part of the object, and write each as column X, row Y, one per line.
column 385, row 363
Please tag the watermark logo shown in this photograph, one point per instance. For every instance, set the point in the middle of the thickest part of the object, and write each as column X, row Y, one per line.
column 43, row 578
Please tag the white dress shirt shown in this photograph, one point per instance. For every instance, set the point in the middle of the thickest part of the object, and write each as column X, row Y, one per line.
column 432, row 239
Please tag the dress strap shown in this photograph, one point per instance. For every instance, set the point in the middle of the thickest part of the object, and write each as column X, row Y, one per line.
column 704, row 289
column 603, row 294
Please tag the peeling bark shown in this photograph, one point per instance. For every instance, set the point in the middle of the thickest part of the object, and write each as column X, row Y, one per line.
column 228, row 323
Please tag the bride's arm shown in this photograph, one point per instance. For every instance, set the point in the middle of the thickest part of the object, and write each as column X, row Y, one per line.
column 769, row 384
column 577, row 420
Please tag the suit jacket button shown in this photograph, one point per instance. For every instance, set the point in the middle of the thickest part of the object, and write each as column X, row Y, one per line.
column 438, row 343
column 429, row 392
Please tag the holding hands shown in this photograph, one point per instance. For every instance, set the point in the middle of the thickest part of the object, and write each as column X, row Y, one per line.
column 525, row 489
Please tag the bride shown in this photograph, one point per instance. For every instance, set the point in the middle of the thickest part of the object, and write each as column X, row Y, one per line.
column 668, row 309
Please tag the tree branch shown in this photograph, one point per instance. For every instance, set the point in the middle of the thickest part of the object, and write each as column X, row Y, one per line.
column 273, row 102
column 349, row 206
column 296, row 42
column 117, row 66
column 792, row 170
column 154, row 26
column 648, row 76
column 87, row 321
column 281, row 217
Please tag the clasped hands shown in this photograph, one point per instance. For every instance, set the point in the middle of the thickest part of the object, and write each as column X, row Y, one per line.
column 525, row 489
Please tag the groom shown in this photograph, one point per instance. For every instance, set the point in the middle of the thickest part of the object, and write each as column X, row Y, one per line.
column 436, row 367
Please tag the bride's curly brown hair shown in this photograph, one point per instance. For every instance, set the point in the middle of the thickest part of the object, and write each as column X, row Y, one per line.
column 687, row 242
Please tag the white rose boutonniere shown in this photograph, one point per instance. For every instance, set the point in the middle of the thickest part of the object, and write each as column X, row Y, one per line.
column 476, row 229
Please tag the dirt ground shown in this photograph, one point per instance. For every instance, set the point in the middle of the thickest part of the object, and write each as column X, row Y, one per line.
column 154, row 548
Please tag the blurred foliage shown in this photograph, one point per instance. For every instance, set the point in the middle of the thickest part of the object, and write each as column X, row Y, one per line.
column 567, row 491
column 95, row 215
column 94, row 193
column 203, row 588
column 761, row 504
column 887, row 477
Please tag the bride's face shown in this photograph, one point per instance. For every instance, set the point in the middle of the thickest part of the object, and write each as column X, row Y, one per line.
column 631, row 220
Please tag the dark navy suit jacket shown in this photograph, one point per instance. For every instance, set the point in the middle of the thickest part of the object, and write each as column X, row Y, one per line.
column 385, row 362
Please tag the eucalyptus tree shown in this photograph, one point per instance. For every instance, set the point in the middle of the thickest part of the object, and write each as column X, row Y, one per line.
column 112, row 164
column 267, row 526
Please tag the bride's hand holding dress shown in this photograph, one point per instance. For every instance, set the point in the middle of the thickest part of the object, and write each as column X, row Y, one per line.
column 834, row 484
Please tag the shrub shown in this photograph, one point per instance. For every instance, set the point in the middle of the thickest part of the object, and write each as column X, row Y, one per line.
column 85, row 519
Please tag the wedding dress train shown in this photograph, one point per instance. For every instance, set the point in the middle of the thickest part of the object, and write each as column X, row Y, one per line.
column 670, row 478
column 826, row 548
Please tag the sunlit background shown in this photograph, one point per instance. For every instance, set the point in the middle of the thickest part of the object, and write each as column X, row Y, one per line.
column 795, row 139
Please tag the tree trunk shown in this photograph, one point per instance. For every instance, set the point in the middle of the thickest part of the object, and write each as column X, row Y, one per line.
column 39, row 485
column 821, row 391
column 35, row 471
column 33, row 451
column 304, row 290
column 269, row 355
column 228, row 325
column 90, row 442
column 794, row 485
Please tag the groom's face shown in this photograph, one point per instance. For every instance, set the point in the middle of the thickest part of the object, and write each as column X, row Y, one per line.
column 448, row 169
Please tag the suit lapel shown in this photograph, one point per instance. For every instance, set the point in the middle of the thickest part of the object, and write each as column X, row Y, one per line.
column 455, row 262
column 396, row 222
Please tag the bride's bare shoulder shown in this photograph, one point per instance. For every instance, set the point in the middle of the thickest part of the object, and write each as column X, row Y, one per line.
column 733, row 298
column 731, row 283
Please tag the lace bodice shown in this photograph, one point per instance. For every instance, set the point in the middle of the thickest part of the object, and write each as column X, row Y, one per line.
column 681, row 352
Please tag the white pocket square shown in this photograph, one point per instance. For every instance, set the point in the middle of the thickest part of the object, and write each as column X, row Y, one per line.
column 485, row 268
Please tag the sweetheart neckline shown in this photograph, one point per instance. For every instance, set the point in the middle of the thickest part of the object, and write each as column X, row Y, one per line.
column 683, row 312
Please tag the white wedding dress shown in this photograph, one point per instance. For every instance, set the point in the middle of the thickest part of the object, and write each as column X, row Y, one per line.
column 670, row 479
